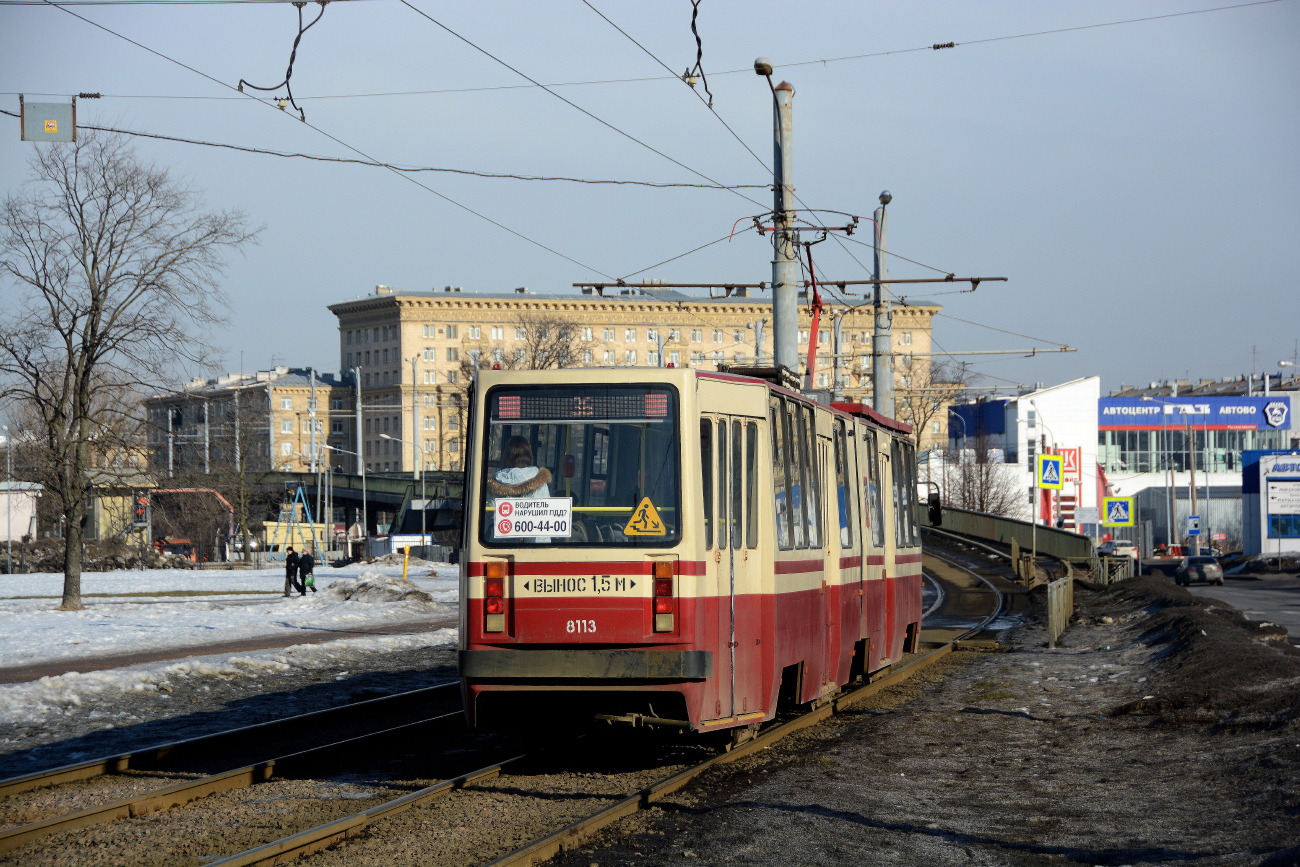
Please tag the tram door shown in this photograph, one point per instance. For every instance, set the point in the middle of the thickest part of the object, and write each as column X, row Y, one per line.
column 731, row 447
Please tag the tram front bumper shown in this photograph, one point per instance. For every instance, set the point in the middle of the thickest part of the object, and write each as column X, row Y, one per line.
column 586, row 664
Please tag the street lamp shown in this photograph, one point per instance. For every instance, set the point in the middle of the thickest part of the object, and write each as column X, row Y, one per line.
column 423, row 502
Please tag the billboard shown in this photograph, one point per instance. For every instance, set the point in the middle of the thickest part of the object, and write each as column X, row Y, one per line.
column 1214, row 413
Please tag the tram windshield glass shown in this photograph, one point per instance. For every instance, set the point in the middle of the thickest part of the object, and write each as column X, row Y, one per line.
column 585, row 465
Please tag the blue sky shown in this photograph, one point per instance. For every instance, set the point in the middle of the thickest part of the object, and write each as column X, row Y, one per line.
column 1138, row 183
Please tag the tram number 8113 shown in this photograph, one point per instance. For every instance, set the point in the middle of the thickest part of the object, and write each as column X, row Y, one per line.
column 581, row 626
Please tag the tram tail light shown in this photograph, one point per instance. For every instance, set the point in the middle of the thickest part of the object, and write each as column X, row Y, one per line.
column 664, row 598
column 494, row 591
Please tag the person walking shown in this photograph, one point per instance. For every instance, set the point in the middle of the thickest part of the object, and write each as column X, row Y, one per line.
column 306, row 564
column 290, row 571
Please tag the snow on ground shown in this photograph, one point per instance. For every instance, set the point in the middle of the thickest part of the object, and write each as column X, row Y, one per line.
column 33, row 630
column 66, row 704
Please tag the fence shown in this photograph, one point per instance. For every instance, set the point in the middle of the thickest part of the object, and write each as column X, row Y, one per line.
column 1051, row 542
column 1060, row 605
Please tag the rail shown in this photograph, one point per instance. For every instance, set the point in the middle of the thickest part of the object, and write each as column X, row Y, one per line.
column 1049, row 541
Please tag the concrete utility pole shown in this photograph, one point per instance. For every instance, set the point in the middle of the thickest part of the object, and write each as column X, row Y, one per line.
column 837, row 382
column 416, row 471
column 785, row 263
column 882, row 341
column 361, row 466
column 1191, row 482
column 311, row 423
column 758, row 328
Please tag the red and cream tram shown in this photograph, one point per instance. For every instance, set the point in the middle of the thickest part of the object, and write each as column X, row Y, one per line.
column 678, row 547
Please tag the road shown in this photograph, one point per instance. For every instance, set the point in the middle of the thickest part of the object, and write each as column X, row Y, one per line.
column 1275, row 599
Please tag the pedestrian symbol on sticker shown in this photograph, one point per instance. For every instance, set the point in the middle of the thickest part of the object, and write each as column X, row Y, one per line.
column 645, row 521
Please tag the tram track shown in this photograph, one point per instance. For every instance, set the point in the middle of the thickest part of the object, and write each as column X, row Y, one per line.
column 458, row 801
column 513, row 777
column 172, row 774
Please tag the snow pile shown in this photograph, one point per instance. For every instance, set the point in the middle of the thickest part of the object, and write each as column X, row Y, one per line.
column 396, row 559
column 376, row 587
column 92, row 695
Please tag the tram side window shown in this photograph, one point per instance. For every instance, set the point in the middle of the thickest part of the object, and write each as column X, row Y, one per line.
column 808, row 457
column 900, row 521
column 780, row 476
column 843, row 490
column 913, row 495
column 706, row 465
column 737, row 489
column 751, row 485
column 798, row 500
column 722, row 485
column 875, row 517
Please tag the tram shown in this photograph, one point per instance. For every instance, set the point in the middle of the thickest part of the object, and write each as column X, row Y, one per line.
column 676, row 547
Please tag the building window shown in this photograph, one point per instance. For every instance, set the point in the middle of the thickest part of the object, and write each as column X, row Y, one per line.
column 586, row 334
column 823, row 336
column 286, row 426
column 803, row 336
column 609, row 333
column 286, row 403
column 498, row 332
column 453, row 423
column 521, row 332
column 453, row 445
column 905, row 338
column 629, row 334
column 609, row 356
column 736, row 336
column 652, row 334
column 453, row 376
column 453, row 354
column 717, row 335
column 349, row 364
column 336, row 427
column 675, row 334
column 629, row 357
column 697, row 335
column 674, row 357
column 586, row 356
column 349, row 338
column 498, row 355
column 286, row 449
column 520, row 355
column 473, row 332
column 652, row 358
column 452, row 332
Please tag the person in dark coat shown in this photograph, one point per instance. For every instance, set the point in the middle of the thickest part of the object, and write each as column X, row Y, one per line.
column 306, row 565
column 290, row 571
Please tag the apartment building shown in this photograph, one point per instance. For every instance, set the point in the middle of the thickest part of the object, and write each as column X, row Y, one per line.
column 414, row 351
column 280, row 419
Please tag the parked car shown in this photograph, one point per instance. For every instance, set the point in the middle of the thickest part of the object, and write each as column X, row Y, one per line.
column 1118, row 548
column 1202, row 568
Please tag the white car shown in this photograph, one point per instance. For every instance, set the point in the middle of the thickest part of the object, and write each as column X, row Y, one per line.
column 1118, row 548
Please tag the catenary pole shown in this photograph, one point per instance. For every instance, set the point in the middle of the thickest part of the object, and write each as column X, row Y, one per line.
column 361, row 467
column 882, row 358
column 785, row 265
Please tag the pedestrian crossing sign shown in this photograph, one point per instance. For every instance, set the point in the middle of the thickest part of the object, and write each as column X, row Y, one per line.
column 1051, row 471
column 645, row 521
column 1117, row 512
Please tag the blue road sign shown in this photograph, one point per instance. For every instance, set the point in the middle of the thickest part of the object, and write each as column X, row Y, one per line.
column 1051, row 471
column 1193, row 525
column 1117, row 512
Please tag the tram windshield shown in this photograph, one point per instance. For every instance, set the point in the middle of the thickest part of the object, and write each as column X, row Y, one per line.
column 585, row 465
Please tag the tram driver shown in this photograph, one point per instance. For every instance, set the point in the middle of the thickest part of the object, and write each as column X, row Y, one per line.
column 519, row 476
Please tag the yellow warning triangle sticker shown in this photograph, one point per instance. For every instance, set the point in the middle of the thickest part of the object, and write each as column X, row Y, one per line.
column 645, row 521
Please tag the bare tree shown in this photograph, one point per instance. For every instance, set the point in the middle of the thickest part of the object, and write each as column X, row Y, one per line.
column 981, row 482
column 117, row 266
column 930, row 388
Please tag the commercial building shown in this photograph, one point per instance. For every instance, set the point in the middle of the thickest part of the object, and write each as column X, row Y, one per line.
column 1271, row 502
column 1012, row 431
column 414, row 353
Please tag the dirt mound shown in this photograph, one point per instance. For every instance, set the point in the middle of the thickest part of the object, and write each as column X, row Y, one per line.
column 373, row 587
column 1220, row 667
